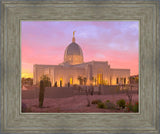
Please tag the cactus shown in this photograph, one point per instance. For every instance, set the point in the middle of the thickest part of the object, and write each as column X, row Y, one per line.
column 45, row 82
column 41, row 93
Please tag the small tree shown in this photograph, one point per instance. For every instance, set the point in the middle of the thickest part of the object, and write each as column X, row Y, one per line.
column 46, row 79
column 29, row 81
column 136, row 79
column 95, row 80
column 80, row 80
column 129, row 94
column 85, row 80
column 92, row 79
column 121, row 103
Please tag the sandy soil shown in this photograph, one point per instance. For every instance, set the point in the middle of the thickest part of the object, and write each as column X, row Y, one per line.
column 75, row 104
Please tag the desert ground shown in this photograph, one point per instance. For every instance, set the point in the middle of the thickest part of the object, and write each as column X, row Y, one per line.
column 57, row 101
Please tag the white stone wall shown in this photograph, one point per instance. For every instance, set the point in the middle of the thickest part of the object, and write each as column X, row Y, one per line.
column 65, row 73
column 120, row 74
column 40, row 70
column 101, row 68
column 88, row 70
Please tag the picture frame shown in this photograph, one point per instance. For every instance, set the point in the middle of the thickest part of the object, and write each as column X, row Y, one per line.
column 14, row 121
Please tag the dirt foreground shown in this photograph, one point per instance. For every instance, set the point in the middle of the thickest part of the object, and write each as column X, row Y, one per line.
column 75, row 104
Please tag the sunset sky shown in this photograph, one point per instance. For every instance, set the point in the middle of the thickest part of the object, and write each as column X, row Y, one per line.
column 44, row 42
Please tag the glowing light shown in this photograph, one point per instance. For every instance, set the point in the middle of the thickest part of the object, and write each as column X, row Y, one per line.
column 71, row 80
column 26, row 75
column 100, row 78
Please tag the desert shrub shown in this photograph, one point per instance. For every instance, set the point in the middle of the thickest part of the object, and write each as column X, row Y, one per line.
column 107, row 100
column 101, row 105
column 121, row 103
column 96, row 101
column 129, row 107
column 135, row 107
column 109, row 105
column 75, row 85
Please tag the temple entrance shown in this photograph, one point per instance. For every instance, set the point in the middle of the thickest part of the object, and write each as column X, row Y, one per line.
column 99, row 78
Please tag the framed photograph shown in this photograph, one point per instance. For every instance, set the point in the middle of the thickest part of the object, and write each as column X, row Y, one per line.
column 80, row 66
column 77, row 77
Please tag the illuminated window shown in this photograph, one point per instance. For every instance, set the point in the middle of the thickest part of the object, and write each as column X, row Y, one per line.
column 100, row 78
column 71, row 80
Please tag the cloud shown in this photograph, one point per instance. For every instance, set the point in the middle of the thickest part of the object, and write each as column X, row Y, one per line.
column 100, row 56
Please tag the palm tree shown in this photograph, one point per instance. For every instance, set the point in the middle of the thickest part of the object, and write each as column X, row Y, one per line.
column 46, row 79
column 80, row 80
column 85, row 80
column 94, row 80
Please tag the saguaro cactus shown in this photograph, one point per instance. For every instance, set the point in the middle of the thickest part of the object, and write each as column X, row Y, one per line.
column 45, row 82
column 41, row 93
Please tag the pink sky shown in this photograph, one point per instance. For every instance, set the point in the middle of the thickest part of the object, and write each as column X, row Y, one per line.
column 44, row 42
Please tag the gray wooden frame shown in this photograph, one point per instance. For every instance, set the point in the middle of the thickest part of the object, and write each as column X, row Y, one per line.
column 146, row 121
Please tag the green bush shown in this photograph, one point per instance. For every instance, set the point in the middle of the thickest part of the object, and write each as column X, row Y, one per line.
column 135, row 107
column 101, row 105
column 109, row 105
column 129, row 107
column 96, row 101
column 121, row 103
column 107, row 100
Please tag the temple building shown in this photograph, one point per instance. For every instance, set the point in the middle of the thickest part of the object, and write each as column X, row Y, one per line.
column 75, row 71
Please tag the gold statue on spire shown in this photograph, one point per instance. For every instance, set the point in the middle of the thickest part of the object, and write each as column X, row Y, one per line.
column 73, row 39
column 74, row 33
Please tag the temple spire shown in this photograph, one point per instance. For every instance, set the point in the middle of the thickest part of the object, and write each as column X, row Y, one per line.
column 73, row 39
